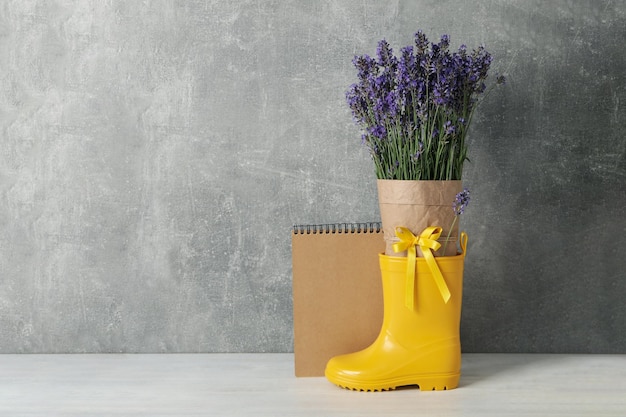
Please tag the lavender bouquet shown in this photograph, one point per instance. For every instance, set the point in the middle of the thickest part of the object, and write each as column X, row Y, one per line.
column 415, row 110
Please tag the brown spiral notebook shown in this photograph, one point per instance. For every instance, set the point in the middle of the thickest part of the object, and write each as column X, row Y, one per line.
column 337, row 292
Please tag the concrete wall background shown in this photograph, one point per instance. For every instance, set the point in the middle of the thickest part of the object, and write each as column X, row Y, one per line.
column 154, row 155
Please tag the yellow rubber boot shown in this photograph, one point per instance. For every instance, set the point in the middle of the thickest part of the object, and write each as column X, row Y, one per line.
column 415, row 347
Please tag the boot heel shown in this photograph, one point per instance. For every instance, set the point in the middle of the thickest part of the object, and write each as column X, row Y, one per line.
column 439, row 382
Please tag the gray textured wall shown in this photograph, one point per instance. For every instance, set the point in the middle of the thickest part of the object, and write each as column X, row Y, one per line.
column 154, row 155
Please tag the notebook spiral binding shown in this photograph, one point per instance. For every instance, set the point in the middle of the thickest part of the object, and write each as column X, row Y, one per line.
column 331, row 228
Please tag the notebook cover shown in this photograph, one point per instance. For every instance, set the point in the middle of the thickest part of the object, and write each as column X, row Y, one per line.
column 337, row 295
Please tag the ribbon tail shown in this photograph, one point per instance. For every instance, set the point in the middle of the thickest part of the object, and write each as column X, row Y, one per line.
column 437, row 276
column 409, row 297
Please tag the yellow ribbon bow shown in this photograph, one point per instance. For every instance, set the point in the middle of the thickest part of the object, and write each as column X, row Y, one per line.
column 427, row 240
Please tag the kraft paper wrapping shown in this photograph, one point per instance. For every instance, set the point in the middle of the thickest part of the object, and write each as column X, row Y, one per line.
column 417, row 205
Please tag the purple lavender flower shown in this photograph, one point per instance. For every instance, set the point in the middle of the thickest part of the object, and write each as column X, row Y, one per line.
column 450, row 129
column 365, row 66
column 461, row 201
column 385, row 55
column 445, row 42
column 421, row 42
column 425, row 94
column 378, row 131
column 416, row 155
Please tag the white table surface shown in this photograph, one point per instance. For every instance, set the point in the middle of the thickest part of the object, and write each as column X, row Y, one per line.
column 264, row 385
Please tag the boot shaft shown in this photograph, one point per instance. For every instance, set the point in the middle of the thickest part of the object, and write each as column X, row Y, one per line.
column 431, row 318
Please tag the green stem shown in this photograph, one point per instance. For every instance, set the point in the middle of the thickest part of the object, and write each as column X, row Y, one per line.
column 449, row 233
